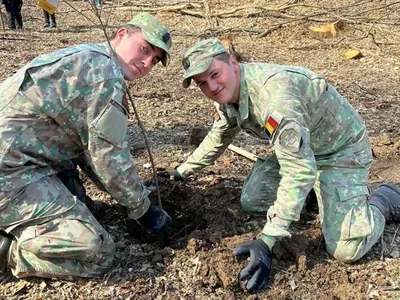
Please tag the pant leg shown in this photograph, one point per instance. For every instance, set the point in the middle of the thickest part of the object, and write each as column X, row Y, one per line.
column 260, row 187
column 56, row 235
column 349, row 224
column 10, row 13
column 53, row 18
column 18, row 16
column 46, row 16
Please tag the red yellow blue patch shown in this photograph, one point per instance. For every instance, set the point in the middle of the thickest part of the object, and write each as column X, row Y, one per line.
column 270, row 125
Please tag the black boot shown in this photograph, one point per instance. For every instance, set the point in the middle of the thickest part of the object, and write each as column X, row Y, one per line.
column 386, row 198
column 5, row 242
column 73, row 183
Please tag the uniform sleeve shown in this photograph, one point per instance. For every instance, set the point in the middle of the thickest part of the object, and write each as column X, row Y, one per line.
column 109, row 148
column 214, row 144
column 291, row 141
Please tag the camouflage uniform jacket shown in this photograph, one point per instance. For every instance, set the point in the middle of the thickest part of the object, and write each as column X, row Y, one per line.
column 314, row 127
column 65, row 105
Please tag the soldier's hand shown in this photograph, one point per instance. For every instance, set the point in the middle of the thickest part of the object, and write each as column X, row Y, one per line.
column 171, row 175
column 258, row 270
column 155, row 220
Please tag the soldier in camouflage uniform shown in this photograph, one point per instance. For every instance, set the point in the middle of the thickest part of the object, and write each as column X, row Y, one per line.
column 62, row 109
column 320, row 143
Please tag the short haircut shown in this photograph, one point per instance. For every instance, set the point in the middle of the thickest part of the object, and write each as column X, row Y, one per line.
column 130, row 29
column 225, row 57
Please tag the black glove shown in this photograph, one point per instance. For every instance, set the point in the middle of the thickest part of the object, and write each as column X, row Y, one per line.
column 171, row 175
column 259, row 266
column 73, row 183
column 155, row 220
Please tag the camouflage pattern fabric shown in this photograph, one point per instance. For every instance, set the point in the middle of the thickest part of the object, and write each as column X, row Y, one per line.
column 319, row 140
column 55, row 237
column 52, row 111
column 155, row 33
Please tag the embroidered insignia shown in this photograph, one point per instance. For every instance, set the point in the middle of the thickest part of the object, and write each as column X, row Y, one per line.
column 291, row 140
column 270, row 126
column 166, row 37
column 272, row 123
column 186, row 64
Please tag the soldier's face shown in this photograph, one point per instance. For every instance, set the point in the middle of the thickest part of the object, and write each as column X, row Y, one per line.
column 136, row 56
column 220, row 82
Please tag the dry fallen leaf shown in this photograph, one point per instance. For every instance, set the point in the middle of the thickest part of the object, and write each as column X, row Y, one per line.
column 352, row 54
column 20, row 286
column 327, row 30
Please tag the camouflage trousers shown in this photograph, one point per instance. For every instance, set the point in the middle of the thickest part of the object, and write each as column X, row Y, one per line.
column 56, row 236
column 349, row 224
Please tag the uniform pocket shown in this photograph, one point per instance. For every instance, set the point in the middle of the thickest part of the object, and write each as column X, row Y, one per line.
column 112, row 124
column 351, row 215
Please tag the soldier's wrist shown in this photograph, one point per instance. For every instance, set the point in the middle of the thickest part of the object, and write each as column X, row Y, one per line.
column 179, row 173
column 139, row 211
column 269, row 240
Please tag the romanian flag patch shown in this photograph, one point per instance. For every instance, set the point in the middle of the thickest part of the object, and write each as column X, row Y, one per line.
column 272, row 123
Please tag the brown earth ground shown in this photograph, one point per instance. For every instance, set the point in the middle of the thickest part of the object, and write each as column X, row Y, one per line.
column 193, row 259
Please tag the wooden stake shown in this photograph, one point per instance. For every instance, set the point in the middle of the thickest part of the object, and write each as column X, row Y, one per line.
column 243, row 152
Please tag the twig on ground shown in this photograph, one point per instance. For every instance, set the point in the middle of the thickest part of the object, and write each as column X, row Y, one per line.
column 388, row 288
column 394, row 236
column 376, row 8
column 180, row 231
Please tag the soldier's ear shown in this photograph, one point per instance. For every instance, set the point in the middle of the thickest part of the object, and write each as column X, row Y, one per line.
column 121, row 33
column 234, row 62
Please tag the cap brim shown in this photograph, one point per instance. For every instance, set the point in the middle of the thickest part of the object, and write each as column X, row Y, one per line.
column 187, row 78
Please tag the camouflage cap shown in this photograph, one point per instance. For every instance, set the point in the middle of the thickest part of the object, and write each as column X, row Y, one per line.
column 197, row 59
column 155, row 33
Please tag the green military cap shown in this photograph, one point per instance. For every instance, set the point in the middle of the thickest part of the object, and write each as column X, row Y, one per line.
column 155, row 33
column 198, row 58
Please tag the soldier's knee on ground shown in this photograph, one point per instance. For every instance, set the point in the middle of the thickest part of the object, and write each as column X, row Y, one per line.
column 253, row 206
column 84, row 241
column 346, row 251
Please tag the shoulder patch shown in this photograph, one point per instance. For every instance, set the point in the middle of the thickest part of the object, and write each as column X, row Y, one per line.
column 272, row 123
column 291, row 140
column 112, row 124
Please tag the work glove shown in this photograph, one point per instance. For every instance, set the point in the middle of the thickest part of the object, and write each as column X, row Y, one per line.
column 259, row 267
column 155, row 220
column 171, row 175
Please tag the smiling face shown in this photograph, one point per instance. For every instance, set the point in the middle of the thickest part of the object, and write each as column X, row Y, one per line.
column 136, row 56
column 220, row 82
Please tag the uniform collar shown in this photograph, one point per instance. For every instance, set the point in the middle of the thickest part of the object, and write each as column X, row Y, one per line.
column 243, row 96
column 243, row 112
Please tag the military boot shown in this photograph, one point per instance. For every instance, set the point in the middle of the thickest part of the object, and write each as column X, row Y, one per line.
column 386, row 198
column 96, row 207
column 73, row 183
column 5, row 242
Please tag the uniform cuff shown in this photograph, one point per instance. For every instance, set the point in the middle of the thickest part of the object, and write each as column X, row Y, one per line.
column 139, row 211
column 183, row 172
column 269, row 240
column 179, row 173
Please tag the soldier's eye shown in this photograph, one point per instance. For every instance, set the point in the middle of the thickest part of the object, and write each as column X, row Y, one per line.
column 145, row 49
column 214, row 75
